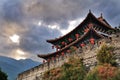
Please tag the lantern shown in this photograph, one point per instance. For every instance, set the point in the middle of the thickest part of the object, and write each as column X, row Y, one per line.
column 63, row 43
column 57, row 47
column 70, row 39
column 77, row 36
column 86, row 30
column 82, row 44
column 92, row 41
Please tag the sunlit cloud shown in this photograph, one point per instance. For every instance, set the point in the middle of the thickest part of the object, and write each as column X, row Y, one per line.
column 39, row 23
column 19, row 54
column 72, row 25
column 15, row 38
column 54, row 27
column 20, row 57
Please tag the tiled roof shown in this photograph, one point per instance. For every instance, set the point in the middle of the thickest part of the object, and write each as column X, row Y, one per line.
column 89, row 17
column 49, row 55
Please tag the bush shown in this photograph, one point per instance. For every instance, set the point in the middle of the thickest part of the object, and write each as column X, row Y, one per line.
column 105, row 55
column 117, row 77
column 73, row 70
column 92, row 76
column 3, row 76
column 104, row 72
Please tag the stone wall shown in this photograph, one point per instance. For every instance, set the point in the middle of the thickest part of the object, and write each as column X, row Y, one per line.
column 88, row 54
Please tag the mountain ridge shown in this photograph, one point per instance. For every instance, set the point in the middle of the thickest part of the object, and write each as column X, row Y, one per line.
column 13, row 67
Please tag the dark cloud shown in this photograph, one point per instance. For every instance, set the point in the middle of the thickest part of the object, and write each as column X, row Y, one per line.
column 56, row 12
column 62, row 11
column 34, row 40
column 110, row 10
column 12, row 10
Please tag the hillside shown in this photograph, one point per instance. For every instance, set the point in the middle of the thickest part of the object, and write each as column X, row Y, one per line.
column 13, row 67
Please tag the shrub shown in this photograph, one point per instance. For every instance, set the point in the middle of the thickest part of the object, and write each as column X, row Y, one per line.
column 117, row 77
column 3, row 76
column 105, row 55
column 73, row 70
column 92, row 76
column 104, row 72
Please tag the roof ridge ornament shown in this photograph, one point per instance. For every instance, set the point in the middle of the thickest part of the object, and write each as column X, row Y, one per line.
column 89, row 10
column 101, row 15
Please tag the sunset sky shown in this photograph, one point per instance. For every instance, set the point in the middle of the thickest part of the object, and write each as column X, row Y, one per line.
column 25, row 25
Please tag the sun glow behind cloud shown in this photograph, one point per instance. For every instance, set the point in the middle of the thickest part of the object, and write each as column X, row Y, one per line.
column 19, row 54
column 39, row 23
column 15, row 38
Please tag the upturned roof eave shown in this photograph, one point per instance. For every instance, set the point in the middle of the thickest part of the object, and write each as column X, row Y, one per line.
column 87, row 18
column 46, row 56
column 54, row 40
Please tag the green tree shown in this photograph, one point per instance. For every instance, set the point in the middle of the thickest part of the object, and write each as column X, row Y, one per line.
column 74, row 70
column 106, row 55
column 3, row 76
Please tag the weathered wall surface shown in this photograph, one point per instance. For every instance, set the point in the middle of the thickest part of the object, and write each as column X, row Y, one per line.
column 88, row 55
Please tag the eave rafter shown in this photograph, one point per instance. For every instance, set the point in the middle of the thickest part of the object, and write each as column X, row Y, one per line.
column 49, row 55
column 88, row 19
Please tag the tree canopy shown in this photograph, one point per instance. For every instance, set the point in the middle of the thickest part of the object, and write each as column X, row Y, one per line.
column 3, row 76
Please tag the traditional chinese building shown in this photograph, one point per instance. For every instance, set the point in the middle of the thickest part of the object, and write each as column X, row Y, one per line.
column 87, row 33
column 90, row 30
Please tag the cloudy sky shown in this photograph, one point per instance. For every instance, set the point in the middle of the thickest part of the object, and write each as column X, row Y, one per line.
column 26, row 24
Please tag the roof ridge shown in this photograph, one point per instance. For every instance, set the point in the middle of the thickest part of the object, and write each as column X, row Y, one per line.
column 70, row 31
column 90, row 13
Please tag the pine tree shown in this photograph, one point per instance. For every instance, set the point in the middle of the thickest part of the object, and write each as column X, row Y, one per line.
column 3, row 76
